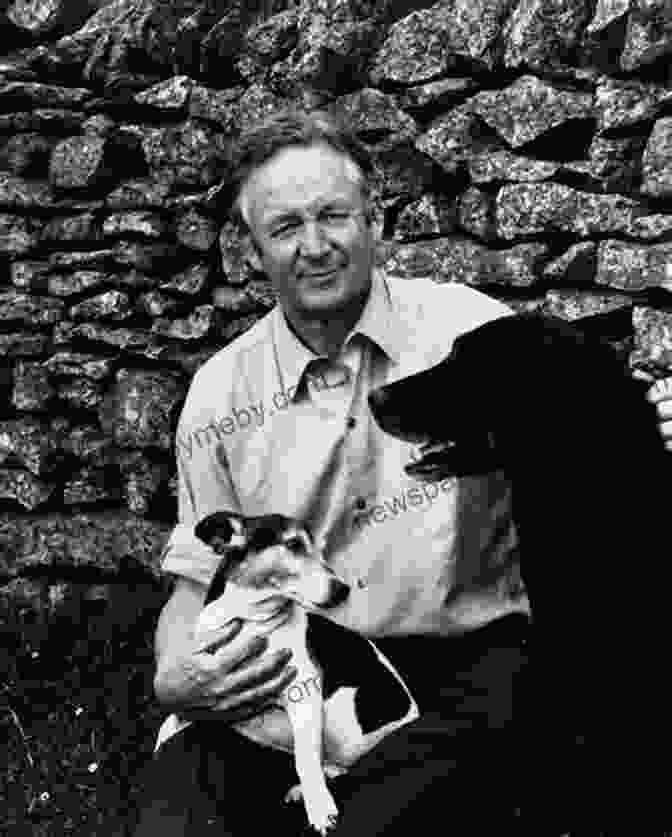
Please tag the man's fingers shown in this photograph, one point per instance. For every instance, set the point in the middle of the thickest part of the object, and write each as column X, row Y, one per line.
column 256, row 673
column 260, row 695
column 224, row 635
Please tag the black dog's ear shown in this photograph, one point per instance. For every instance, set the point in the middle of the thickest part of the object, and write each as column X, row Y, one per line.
column 222, row 531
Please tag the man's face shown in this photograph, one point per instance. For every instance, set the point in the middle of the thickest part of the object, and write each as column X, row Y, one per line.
column 310, row 232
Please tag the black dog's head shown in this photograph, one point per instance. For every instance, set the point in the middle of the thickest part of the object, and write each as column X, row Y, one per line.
column 506, row 386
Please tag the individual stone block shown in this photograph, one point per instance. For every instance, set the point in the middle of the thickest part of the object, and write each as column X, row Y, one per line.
column 133, row 340
column 449, row 139
column 458, row 259
column 141, row 480
column 156, row 304
column 606, row 12
column 501, row 165
column 91, row 259
column 194, row 327
column 170, row 95
column 89, row 444
column 429, row 42
column 81, row 393
column 78, row 162
column 189, row 281
column 82, row 227
column 30, row 310
column 273, row 39
column 35, row 94
column 20, row 343
column 256, row 295
column 191, row 151
column 150, row 257
column 67, row 284
column 657, row 161
column 24, row 488
column 542, row 33
column 28, row 443
column 196, row 231
column 375, row 118
column 573, row 306
column 529, row 108
column 91, row 485
column 139, row 192
column 648, row 37
column 32, row 389
column 653, row 340
column 80, row 364
column 631, row 267
column 18, row 235
column 475, row 213
column 442, row 94
column 431, row 215
column 17, row 193
column 110, row 305
column 137, row 410
column 542, row 208
column 29, row 274
column 26, row 154
column 219, row 106
column 620, row 103
column 146, row 224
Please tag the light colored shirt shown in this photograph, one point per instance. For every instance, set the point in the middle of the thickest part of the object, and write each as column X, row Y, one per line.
column 270, row 427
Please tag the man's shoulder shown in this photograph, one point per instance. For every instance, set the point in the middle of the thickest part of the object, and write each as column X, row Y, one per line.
column 240, row 352
column 451, row 306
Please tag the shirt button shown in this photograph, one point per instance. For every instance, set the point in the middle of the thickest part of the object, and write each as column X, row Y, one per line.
column 360, row 503
column 352, row 421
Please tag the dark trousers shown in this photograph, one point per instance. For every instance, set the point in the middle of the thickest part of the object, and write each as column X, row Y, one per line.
column 464, row 761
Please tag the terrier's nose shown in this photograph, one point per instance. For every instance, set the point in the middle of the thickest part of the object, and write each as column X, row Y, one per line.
column 339, row 593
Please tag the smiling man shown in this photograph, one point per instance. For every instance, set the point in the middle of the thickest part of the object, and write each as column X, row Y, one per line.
column 437, row 587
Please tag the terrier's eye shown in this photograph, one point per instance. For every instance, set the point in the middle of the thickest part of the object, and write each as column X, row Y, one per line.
column 295, row 544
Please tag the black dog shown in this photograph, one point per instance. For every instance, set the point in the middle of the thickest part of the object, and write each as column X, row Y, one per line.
column 573, row 432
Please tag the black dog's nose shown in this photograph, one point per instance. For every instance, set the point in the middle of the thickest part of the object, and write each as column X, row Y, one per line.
column 338, row 593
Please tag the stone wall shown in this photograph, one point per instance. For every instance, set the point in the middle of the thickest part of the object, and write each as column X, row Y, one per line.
column 522, row 146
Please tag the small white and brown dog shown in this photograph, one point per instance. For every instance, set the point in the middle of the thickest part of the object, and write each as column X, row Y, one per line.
column 346, row 696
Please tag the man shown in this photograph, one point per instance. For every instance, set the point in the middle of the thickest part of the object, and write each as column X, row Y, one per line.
column 278, row 422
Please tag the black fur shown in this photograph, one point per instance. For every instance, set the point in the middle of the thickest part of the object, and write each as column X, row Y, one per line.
column 347, row 659
column 591, row 500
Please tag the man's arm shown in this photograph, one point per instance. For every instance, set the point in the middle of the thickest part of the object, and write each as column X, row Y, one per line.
column 660, row 394
column 227, row 675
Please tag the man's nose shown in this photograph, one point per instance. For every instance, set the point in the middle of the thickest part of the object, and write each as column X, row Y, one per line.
column 313, row 241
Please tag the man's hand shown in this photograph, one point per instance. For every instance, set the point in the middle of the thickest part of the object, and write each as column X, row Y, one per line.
column 660, row 394
column 226, row 679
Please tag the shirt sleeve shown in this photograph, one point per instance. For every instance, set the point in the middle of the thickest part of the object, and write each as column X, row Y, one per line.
column 204, row 485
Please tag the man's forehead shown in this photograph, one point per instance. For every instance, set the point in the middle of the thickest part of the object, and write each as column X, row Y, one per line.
column 296, row 177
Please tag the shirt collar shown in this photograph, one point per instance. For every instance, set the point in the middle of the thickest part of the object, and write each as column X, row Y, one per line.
column 378, row 323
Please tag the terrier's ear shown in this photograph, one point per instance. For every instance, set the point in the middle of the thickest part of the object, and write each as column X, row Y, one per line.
column 222, row 531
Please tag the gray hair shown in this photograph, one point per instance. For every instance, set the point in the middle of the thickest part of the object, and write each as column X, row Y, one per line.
column 289, row 128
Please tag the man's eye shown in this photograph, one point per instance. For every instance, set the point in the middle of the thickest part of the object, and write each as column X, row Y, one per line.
column 336, row 216
column 284, row 229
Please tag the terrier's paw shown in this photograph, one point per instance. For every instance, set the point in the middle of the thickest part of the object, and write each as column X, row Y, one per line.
column 294, row 794
column 322, row 811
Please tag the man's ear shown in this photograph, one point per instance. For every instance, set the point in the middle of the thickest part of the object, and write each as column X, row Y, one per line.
column 252, row 253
